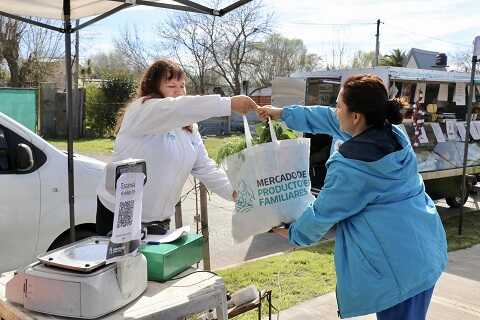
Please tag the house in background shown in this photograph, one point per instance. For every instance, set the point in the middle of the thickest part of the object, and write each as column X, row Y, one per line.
column 224, row 125
column 423, row 59
column 262, row 96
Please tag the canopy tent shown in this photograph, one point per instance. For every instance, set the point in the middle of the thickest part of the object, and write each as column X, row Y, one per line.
column 96, row 10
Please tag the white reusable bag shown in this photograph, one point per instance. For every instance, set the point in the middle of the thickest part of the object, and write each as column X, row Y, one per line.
column 272, row 181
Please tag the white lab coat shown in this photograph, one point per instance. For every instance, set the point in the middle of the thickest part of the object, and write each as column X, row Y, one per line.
column 153, row 131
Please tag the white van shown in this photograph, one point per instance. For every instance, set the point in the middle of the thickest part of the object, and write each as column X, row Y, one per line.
column 34, row 211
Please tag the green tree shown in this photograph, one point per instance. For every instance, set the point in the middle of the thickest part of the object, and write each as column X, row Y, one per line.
column 395, row 59
column 104, row 102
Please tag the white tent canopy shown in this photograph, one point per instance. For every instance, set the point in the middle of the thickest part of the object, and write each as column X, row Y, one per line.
column 54, row 9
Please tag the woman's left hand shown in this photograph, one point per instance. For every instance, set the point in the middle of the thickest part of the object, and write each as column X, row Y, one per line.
column 234, row 196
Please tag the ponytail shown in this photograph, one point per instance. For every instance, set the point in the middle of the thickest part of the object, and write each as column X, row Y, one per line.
column 393, row 111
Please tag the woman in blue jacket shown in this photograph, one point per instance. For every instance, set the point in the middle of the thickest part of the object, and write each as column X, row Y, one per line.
column 390, row 244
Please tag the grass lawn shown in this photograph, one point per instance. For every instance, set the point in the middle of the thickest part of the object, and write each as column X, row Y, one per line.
column 105, row 146
column 303, row 274
column 213, row 143
column 87, row 146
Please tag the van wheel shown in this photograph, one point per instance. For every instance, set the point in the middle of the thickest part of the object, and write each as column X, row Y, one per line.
column 64, row 239
column 456, row 201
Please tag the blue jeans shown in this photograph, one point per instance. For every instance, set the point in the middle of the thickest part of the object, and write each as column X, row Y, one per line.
column 414, row 308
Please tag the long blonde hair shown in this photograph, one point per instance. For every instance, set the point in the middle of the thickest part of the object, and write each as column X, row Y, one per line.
column 160, row 70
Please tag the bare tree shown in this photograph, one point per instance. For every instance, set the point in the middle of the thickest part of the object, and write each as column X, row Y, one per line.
column 130, row 44
column 102, row 63
column 462, row 61
column 232, row 38
column 28, row 50
column 337, row 52
column 280, row 56
column 184, row 39
column 11, row 32
column 362, row 59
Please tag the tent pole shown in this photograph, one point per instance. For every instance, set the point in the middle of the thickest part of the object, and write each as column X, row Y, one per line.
column 471, row 92
column 68, row 75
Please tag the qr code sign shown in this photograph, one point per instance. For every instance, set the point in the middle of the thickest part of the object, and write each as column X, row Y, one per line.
column 125, row 214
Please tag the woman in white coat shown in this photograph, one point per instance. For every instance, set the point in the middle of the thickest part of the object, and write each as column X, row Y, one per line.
column 160, row 128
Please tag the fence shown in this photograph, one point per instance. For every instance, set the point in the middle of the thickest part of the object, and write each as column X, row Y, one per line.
column 21, row 105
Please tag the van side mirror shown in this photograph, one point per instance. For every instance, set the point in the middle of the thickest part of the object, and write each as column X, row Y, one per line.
column 24, row 157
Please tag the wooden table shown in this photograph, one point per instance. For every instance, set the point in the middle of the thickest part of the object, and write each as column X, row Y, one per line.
column 197, row 292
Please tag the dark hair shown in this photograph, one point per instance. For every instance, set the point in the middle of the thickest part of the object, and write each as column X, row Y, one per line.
column 149, row 88
column 367, row 94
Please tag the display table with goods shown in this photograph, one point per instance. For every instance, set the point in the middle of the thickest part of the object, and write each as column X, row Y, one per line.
column 438, row 139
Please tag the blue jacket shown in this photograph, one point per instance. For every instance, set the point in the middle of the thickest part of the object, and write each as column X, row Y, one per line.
column 390, row 242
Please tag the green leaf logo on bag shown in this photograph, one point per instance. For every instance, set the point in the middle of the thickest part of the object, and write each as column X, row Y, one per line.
column 245, row 198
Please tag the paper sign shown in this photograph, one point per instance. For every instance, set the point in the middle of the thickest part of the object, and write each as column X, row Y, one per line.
column 476, row 46
column 169, row 237
column 422, row 138
column 443, row 92
column 459, row 96
column 474, row 132
column 421, row 88
column 461, row 130
column 393, row 91
column 127, row 220
column 476, row 124
column 474, row 93
column 451, row 130
column 437, row 131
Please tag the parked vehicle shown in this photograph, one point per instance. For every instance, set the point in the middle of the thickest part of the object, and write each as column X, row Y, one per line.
column 34, row 195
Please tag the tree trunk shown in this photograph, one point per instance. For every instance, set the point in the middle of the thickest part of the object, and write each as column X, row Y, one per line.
column 14, row 72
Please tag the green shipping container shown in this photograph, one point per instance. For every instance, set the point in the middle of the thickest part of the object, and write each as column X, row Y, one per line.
column 166, row 260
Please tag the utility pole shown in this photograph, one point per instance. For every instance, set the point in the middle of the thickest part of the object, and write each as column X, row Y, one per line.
column 377, row 46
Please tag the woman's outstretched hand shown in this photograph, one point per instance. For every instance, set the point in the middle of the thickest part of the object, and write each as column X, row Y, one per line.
column 243, row 104
column 269, row 112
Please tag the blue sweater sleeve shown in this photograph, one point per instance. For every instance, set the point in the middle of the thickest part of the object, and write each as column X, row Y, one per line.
column 313, row 119
column 343, row 195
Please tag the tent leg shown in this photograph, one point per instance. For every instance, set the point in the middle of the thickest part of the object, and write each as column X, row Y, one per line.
column 68, row 75
column 467, row 136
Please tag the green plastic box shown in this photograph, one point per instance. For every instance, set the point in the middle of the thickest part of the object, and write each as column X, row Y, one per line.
column 166, row 260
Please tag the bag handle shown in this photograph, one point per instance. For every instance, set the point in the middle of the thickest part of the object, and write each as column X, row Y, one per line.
column 273, row 134
column 248, row 134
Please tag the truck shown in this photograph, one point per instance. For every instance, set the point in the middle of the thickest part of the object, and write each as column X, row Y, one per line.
column 443, row 94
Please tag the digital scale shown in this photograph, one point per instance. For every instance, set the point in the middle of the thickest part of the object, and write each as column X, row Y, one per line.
column 75, row 281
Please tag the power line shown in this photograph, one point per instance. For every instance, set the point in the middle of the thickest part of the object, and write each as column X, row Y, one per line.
column 333, row 24
column 409, row 32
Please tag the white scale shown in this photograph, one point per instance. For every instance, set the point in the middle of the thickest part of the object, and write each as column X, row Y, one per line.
column 75, row 280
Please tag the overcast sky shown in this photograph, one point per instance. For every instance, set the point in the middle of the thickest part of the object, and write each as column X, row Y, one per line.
column 441, row 25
